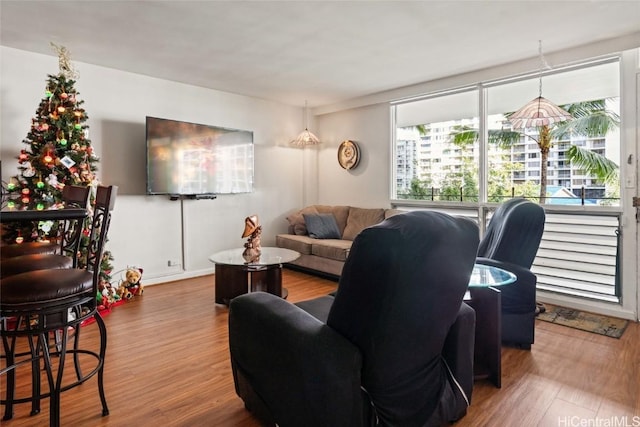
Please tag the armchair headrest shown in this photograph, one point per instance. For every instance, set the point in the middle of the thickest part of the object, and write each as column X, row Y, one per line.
column 514, row 233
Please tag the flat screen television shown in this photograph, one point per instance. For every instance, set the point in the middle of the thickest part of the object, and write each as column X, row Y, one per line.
column 194, row 160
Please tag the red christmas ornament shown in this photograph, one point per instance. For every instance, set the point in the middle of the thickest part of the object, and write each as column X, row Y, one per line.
column 44, row 126
column 25, row 191
column 61, row 109
column 64, row 95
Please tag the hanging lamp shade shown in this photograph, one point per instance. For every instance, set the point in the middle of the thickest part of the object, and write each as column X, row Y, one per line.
column 538, row 112
column 306, row 137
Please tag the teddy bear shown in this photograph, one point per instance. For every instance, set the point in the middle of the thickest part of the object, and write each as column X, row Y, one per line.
column 123, row 292
column 132, row 282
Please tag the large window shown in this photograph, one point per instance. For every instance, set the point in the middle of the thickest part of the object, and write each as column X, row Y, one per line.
column 461, row 146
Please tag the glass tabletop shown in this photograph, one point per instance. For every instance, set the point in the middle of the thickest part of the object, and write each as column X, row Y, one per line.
column 485, row 275
column 268, row 256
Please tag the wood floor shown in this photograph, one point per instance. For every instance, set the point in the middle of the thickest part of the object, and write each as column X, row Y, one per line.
column 168, row 365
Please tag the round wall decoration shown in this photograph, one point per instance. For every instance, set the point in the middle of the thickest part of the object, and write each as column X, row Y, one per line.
column 348, row 154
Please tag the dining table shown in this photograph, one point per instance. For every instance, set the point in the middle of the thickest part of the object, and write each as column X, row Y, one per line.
column 13, row 215
column 19, row 215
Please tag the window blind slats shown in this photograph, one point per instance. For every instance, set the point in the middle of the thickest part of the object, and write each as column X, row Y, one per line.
column 576, row 248
column 577, row 256
column 582, row 282
column 550, row 257
column 583, row 239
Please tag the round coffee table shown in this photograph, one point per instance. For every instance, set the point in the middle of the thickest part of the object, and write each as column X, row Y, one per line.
column 234, row 276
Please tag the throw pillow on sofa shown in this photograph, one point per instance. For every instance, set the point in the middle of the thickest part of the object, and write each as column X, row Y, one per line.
column 359, row 219
column 297, row 225
column 322, row 226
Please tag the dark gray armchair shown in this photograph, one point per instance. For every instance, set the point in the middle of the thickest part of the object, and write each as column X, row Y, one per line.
column 511, row 242
column 393, row 348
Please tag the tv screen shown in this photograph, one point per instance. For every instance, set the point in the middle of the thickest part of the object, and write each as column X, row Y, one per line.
column 190, row 159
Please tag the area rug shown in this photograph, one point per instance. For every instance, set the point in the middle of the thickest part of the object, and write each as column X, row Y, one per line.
column 596, row 323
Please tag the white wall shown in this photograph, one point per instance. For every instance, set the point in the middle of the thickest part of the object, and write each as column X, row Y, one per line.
column 148, row 231
column 367, row 185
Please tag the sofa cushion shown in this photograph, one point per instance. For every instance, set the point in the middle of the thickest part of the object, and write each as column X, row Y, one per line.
column 341, row 213
column 321, row 226
column 296, row 243
column 296, row 221
column 331, row 248
column 359, row 219
column 391, row 212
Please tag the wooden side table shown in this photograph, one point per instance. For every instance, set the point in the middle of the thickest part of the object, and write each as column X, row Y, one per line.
column 486, row 300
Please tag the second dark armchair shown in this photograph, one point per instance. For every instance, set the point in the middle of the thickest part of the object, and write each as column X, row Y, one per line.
column 511, row 242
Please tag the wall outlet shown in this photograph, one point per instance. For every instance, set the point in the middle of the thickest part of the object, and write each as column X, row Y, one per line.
column 630, row 181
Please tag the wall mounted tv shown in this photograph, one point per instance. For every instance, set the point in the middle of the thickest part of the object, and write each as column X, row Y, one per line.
column 197, row 161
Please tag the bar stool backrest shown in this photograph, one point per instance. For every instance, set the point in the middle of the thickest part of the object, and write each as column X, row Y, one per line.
column 105, row 201
column 74, row 196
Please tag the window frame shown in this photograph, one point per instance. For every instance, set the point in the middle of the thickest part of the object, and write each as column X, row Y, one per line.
column 482, row 88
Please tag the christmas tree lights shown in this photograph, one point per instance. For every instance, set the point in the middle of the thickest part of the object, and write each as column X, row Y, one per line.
column 59, row 153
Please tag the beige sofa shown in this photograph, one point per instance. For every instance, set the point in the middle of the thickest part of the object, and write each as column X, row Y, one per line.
column 327, row 255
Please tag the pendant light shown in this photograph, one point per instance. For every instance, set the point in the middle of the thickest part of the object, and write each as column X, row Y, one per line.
column 539, row 111
column 305, row 137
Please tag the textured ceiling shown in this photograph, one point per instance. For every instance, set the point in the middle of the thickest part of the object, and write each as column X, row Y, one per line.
column 321, row 51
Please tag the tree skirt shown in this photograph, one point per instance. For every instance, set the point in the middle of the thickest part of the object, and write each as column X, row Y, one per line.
column 103, row 312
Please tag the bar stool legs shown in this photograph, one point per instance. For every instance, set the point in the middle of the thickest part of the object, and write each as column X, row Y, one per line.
column 103, row 350
column 41, row 350
column 9, row 351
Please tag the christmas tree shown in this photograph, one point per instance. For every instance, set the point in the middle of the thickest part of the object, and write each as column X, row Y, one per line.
column 59, row 153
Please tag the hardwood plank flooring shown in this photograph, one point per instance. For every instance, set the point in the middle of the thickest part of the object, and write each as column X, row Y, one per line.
column 168, row 365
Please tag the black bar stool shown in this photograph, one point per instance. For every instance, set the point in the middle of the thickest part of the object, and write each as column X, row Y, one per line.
column 38, row 303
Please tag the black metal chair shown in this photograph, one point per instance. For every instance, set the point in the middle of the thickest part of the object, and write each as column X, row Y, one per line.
column 511, row 243
column 65, row 248
column 39, row 303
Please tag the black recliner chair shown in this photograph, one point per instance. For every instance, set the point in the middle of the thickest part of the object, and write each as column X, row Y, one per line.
column 394, row 347
column 511, row 242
